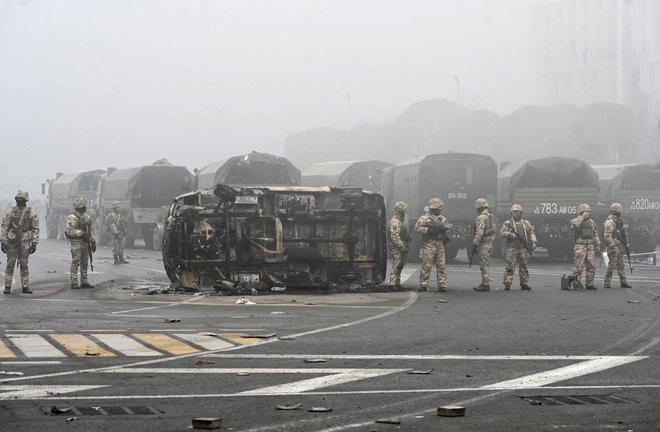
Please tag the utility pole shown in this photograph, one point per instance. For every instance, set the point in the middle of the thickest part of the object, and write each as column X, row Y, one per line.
column 458, row 94
column 348, row 99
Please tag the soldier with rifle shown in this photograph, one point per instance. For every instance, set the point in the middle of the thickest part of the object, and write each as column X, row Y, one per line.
column 616, row 241
column 433, row 227
column 586, row 244
column 19, row 235
column 398, row 235
column 482, row 241
column 80, row 233
column 118, row 227
column 520, row 241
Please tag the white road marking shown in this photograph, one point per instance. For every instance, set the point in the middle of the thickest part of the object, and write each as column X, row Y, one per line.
column 156, row 270
column 31, row 362
column 33, row 345
column 564, row 373
column 190, row 300
column 41, row 391
column 205, row 341
column 126, row 345
column 9, row 332
column 412, row 357
column 215, row 370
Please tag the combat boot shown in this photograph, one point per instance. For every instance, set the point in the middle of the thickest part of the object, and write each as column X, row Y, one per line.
column 74, row 285
column 507, row 287
column 116, row 259
column 482, row 288
column 7, row 290
column 607, row 286
column 591, row 287
column 86, row 285
column 525, row 287
column 122, row 260
column 625, row 285
column 422, row 289
column 442, row 289
column 27, row 290
column 577, row 285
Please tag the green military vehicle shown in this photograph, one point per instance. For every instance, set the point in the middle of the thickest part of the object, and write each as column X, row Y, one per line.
column 144, row 195
column 549, row 191
column 366, row 174
column 62, row 190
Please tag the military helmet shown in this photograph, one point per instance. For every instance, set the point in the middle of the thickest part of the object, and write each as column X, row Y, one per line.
column 616, row 208
column 400, row 207
column 516, row 207
column 583, row 208
column 480, row 203
column 79, row 202
column 435, row 203
column 116, row 204
column 21, row 194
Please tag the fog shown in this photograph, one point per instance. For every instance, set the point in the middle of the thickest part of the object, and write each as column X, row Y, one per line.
column 87, row 84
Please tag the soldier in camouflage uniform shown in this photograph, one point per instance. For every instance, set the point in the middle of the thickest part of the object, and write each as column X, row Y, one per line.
column 586, row 245
column 433, row 227
column 398, row 235
column 616, row 242
column 79, row 230
column 482, row 243
column 118, row 228
column 23, row 222
column 516, row 253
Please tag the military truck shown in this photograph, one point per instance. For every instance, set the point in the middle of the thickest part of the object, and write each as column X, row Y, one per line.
column 144, row 195
column 637, row 188
column 62, row 190
column 275, row 237
column 366, row 174
column 456, row 178
column 549, row 191
column 249, row 169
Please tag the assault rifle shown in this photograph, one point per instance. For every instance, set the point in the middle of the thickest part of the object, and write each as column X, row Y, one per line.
column 472, row 254
column 624, row 239
column 521, row 239
column 89, row 244
column 19, row 233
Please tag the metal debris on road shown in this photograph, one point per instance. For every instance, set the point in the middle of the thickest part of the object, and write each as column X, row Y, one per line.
column 451, row 411
column 315, row 360
column 388, row 421
column 288, row 407
column 172, row 320
column 319, row 409
column 419, row 372
column 207, row 423
column 204, row 362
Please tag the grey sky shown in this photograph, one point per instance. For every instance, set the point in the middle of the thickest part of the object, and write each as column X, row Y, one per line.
column 87, row 84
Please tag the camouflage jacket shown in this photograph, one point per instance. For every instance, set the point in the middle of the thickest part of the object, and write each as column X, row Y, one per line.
column 12, row 223
column 484, row 229
column 583, row 231
column 427, row 220
column 523, row 227
column 398, row 233
column 78, row 224
column 116, row 224
column 613, row 233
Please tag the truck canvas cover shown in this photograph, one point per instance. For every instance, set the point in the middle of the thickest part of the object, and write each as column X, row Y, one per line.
column 266, row 237
column 366, row 174
column 147, row 186
column 555, row 172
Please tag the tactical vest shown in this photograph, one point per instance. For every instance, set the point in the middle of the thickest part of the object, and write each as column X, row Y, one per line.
column 619, row 233
column 490, row 229
column 586, row 230
column 81, row 224
column 25, row 224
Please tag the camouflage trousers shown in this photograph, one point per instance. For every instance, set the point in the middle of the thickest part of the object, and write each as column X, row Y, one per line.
column 584, row 253
column 484, row 261
column 118, row 246
column 516, row 256
column 399, row 257
column 79, row 259
column 433, row 251
column 12, row 257
column 615, row 256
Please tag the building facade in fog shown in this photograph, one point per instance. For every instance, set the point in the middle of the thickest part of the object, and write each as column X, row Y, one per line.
column 588, row 51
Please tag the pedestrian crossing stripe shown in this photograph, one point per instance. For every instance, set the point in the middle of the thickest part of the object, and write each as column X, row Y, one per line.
column 57, row 345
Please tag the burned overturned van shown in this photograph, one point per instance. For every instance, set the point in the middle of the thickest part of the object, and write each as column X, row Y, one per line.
column 274, row 237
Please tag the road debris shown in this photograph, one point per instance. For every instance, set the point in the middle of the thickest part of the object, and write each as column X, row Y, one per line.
column 451, row 411
column 70, row 419
column 207, row 423
column 442, row 301
column 55, row 410
column 11, row 373
column 51, row 271
column 242, row 373
column 315, row 360
column 419, row 372
column 388, row 421
column 286, row 338
column 244, row 301
column 172, row 320
column 260, row 336
column 288, row 407
column 278, row 313
column 634, row 301
column 204, row 362
column 92, row 354
column 319, row 409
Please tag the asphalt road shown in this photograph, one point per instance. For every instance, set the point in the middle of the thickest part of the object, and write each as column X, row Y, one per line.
column 116, row 359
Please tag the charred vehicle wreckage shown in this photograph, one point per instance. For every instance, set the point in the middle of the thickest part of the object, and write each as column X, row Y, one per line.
column 269, row 238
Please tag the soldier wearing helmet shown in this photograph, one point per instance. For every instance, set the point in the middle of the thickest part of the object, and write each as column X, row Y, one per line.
column 616, row 241
column 586, row 244
column 482, row 241
column 80, row 232
column 433, row 227
column 519, row 234
column 19, row 235
column 398, row 235
column 118, row 227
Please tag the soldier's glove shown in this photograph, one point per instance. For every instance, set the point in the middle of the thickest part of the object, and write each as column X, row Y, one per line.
column 84, row 237
column 3, row 247
column 475, row 249
column 434, row 230
column 33, row 248
column 93, row 246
